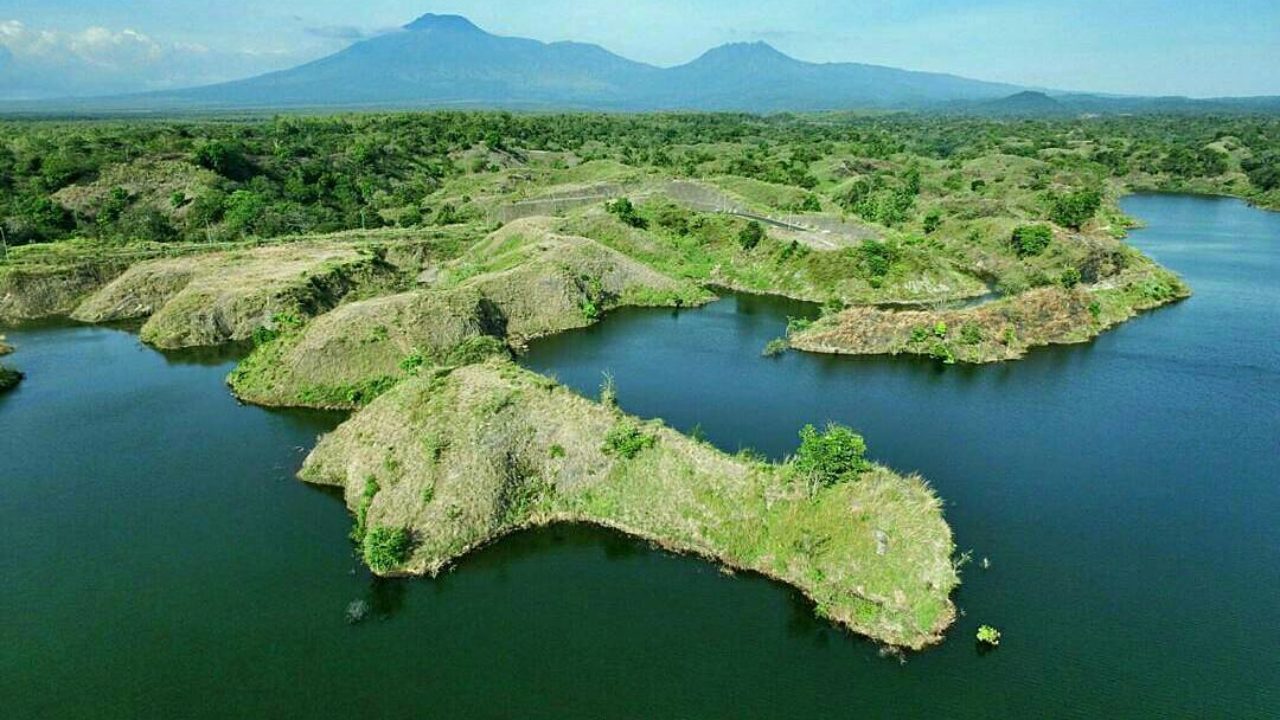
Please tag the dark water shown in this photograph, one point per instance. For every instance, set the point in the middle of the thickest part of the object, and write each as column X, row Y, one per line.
column 158, row 560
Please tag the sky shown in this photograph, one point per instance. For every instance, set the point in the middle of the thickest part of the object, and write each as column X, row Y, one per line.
column 1205, row 48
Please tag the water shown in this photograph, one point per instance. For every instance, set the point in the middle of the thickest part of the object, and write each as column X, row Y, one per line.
column 161, row 561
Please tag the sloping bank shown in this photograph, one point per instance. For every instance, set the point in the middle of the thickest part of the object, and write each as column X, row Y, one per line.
column 521, row 282
column 996, row 331
column 449, row 461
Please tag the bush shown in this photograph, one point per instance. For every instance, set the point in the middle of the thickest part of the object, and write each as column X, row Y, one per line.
column 830, row 456
column 798, row 325
column 624, row 210
column 751, row 235
column 877, row 257
column 626, row 440
column 1029, row 240
column 932, row 222
column 1075, row 208
column 386, row 548
column 1070, row 278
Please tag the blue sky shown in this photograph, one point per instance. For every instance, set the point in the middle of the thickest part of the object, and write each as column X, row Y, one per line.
column 1205, row 48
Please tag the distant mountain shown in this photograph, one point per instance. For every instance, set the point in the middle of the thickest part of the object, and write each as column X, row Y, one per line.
column 1025, row 103
column 440, row 61
column 446, row 61
column 1030, row 103
column 755, row 76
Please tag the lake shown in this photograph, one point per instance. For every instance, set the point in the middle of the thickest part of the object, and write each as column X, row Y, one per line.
column 161, row 560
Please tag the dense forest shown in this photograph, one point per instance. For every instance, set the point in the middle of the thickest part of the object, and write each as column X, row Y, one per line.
column 222, row 179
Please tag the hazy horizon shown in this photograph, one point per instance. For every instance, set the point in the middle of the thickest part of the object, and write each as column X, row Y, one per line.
column 80, row 48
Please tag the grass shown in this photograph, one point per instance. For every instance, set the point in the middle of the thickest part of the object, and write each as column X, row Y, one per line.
column 510, row 450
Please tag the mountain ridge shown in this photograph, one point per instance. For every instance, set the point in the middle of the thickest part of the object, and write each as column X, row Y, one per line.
column 447, row 61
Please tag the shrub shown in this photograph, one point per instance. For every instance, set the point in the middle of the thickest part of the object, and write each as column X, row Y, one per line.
column 1029, row 240
column 386, row 548
column 1075, row 208
column 798, row 325
column 832, row 455
column 932, row 222
column 626, row 440
column 970, row 334
column 942, row 351
column 1070, row 278
column 609, row 392
column 751, row 235
column 413, row 362
column 877, row 257
column 1095, row 309
column 624, row 210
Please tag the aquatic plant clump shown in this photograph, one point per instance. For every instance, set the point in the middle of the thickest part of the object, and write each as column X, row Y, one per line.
column 989, row 636
column 9, row 378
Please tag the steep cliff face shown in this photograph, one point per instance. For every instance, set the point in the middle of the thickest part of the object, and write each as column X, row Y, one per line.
column 43, row 292
column 448, row 461
column 218, row 297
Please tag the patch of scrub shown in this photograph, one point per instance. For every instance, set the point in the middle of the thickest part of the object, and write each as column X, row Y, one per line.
column 447, row 462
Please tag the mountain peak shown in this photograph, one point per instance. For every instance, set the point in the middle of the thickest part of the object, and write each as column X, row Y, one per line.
column 740, row 51
column 446, row 23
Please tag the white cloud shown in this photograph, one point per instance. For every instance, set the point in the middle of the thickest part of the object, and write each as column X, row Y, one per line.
column 97, row 46
column 37, row 63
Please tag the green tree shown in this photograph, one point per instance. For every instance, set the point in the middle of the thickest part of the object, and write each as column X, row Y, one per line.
column 1075, row 208
column 624, row 210
column 751, row 235
column 830, row 456
column 1029, row 240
